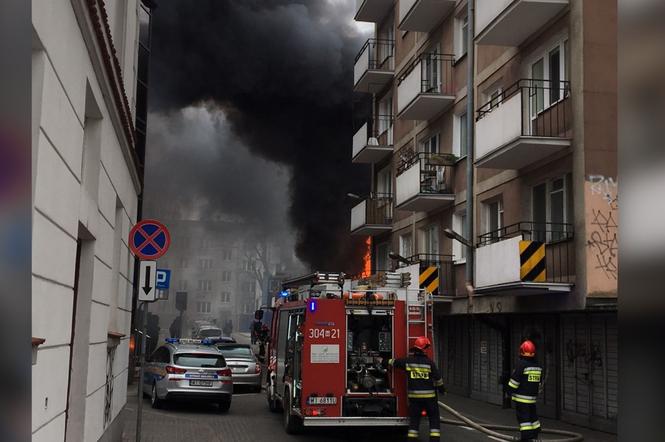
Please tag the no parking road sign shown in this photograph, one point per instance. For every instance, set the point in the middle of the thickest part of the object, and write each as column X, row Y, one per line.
column 149, row 239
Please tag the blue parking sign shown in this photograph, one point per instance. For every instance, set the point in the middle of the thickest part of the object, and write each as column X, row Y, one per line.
column 163, row 277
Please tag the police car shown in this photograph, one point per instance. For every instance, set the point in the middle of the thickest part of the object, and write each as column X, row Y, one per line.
column 190, row 369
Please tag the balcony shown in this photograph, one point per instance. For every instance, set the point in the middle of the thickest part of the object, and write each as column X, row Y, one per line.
column 426, row 87
column 508, row 261
column 423, row 15
column 374, row 67
column 374, row 140
column 528, row 122
column 446, row 274
column 424, row 181
column 511, row 22
column 372, row 10
column 373, row 216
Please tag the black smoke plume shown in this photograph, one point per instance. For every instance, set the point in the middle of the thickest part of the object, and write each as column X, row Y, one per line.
column 281, row 72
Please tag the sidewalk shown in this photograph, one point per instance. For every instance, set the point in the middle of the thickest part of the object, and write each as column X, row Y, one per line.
column 483, row 412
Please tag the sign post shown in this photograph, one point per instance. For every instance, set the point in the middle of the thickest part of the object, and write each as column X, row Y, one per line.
column 148, row 240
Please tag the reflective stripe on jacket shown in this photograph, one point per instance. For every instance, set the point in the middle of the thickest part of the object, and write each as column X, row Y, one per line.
column 422, row 375
column 525, row 381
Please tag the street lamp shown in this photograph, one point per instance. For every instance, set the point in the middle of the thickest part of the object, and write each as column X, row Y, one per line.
column 454, row 235
column 400, row 258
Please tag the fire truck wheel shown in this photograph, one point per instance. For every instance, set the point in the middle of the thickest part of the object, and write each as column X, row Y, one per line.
column 292, row 424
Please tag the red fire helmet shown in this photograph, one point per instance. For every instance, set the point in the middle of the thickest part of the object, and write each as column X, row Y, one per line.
column 528, row 349
column 422, row 343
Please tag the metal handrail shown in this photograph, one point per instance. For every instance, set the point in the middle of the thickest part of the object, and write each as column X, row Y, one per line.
column 536, row 119
column 408, row 159
column 445, row 72
column 374, row 44
column 531, row 230
column 373, row 124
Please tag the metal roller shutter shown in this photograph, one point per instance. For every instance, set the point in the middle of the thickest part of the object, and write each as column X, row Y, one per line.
column 487, row 364
column 453, row 353
column 590, row 360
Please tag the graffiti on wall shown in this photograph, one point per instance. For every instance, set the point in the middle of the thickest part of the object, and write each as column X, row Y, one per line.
column 581, row 355
column 602, row 235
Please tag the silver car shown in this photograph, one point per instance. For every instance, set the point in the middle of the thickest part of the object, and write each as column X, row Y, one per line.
column 244, row 365
column 188, row 369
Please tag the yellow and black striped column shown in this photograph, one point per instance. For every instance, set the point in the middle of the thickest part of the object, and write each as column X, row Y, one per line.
column 429, row 279
column 532, row 261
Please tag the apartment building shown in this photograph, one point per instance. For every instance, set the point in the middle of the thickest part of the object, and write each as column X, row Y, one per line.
column 544, row 185
column 86, row 63
column 224, row 271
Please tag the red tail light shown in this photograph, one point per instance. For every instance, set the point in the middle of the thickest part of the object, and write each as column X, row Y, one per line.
column 258, row 368
column 175, row 370
column 224, row 372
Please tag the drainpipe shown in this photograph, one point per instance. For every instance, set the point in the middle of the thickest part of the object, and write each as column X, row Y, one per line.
column 470, row 119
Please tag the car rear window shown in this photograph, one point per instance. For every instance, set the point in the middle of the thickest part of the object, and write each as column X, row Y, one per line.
column 198, row 360
column 210, row 332
column 235, row 351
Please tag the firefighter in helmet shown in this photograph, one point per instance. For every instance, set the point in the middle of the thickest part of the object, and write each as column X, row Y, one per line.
column 524, row 385
column 423, row 379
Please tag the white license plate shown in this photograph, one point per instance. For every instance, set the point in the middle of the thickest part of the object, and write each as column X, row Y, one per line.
column 322, row 400
column 200, row 383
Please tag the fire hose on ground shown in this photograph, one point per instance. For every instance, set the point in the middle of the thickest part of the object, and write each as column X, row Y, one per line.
column 568, row 436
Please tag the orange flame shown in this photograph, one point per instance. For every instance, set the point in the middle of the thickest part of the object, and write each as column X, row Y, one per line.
column 367, row 259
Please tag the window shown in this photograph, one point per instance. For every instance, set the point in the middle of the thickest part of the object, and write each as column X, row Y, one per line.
column 182, row 285
column 184, row 263
column 551, row 209
column 205, row 263
column 203, row 307
column 226, row 297
column 384, row 181
column 429, row 237
column 226, row 254
column 548, row 71
column 494, row 218
column 459, row 135
column 461, row 35
column 459, row 226
column 226, row 276
column 385, row 123
column 431, row 75
column 205, row 285
column 406, row 245
column 430, row 145
column 381, row 257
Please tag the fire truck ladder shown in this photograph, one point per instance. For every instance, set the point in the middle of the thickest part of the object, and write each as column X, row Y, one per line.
column 418, row 308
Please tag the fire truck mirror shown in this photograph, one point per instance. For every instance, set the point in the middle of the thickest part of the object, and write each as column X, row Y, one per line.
column 258, row 314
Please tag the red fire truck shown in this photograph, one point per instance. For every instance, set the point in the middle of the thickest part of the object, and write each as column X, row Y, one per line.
column 330, row 344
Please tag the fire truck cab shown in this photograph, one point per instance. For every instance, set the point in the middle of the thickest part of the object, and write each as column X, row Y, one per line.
column 330, row 344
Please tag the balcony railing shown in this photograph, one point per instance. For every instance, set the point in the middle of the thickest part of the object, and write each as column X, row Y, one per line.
column 528, row 121
column 374, row 140
column 374, row 65
column 424, row 181
column 446, row 270
column 426, row 87
column 373, row 215
column 558, row 239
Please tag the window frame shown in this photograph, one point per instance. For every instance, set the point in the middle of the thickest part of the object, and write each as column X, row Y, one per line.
column 461, row 29
column 561, row 43
column 457, row 135
column 548, row 201
column 459, row 250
